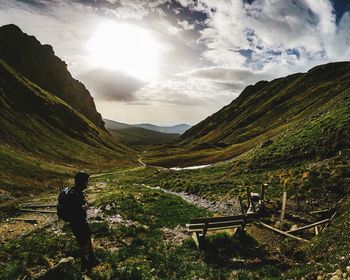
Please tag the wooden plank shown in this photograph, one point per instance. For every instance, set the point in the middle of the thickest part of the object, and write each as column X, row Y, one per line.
column 33, row 221
column 200, row 231
column 320, row 211
column 284, row 202
column 227, row 227
column 229, row 223
column 38, row 206
column 241, row 205
column 217, row 219
column 196, row 226
column 209, row 226
column 330, row 219
column 37, row 211
column 309, row 226
column 283, row 232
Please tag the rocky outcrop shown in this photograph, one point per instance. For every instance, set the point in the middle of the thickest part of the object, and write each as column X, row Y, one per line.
column 39, row 64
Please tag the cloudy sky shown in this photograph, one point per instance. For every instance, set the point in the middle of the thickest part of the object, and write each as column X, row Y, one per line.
column 178, row 61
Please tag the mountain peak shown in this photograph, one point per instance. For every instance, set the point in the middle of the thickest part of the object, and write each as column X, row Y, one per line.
column 38, row 63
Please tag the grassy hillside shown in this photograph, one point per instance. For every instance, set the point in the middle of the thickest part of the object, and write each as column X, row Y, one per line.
column 140, row 136
column 302, row 115
column 42, row 137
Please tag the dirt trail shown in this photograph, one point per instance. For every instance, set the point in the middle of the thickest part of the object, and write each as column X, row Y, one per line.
column 11, row 229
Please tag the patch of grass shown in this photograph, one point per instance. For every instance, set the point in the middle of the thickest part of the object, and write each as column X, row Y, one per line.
column 16, row 257
column 151, row 207
column 328, row 251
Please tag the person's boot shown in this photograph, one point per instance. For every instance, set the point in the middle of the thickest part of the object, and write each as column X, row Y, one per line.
column 93, row 260
column 85, row 264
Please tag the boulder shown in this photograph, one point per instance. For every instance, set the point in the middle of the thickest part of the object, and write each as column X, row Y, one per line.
column 66, row 269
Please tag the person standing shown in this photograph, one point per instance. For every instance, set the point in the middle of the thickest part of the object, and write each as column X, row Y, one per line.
column 78, row 220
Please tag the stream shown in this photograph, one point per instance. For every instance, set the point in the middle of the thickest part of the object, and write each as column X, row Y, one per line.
column 190, row 167
column 227, row 207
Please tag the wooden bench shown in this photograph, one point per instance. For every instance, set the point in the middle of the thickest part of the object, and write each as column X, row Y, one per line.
column 200, row 226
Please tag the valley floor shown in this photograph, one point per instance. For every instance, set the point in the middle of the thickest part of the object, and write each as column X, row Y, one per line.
column 139, row 233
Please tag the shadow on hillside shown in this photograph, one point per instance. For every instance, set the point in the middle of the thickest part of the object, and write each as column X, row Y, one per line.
column 237, row 252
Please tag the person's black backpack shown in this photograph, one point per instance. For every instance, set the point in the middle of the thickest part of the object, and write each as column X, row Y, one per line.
column 64, row 211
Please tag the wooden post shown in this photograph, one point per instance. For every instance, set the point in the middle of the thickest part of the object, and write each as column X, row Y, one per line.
column 241, row 204
column 198, row 239
column 250, row 200
column 309, row 226
column 296, row 196
column 283, row 232
column 262, row 193
column 316, row 230
column 248, row 196
column 284, row 202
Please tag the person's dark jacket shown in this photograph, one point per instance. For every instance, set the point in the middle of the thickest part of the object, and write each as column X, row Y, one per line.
column 77, row 204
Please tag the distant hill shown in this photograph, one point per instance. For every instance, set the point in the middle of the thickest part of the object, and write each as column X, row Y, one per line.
column 139, row 136
column 115, row 125
column 39, row 64
column 175, row 129
column 308, row 112
column 178, row 129
column 134, row 135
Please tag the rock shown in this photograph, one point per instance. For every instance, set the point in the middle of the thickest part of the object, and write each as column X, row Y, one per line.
column 335, row 277
column 266, row 143
column 348, row 268
column 66, row 269
column 293, row 227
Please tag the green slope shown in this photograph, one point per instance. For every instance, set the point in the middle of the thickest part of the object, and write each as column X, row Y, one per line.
column 40, row 65
column 303, row 115
column 41, row 136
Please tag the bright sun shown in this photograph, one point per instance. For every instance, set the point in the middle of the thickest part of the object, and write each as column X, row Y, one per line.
column 124, row 47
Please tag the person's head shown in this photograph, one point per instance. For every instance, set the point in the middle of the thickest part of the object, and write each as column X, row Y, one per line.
column 81, row 180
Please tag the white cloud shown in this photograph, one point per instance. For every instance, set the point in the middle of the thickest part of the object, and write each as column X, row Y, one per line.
column 204, row 65
column 289, row 33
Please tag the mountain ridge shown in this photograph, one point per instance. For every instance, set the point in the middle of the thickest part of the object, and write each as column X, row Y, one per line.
column 173, row 129
column 259, row 93
column 40, row 65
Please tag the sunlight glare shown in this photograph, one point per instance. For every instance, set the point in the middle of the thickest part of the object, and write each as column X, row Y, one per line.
column 126, row 48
